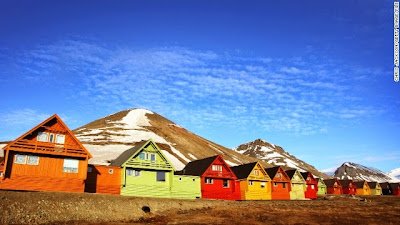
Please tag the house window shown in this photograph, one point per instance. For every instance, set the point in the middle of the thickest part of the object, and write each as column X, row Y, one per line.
column 137, row 173
column 89, row 169
column 33, row 160
column 141, row 156
column 20, row 159
column 279, row 175
column 292, row 185
column 256, row 172
column 216, row 168
column 209, row 181
column 262, row 184
column 130, row 172
column 153, row 157
column 251, row 183
column 43, row 136
column 1, row 173
column 110, row 171
column 147, row 156
column 225, row 183
column 275, row 184
column 60, row 139
column 312, row 187
column 71, row 166
column 284, row 185
column 51, row 138
column 160, row 176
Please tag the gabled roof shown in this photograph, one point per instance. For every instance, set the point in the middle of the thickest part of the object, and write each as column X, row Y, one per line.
column 385, row 185
column 373, row 185
column 198, row 167
column 290, row 173
column 55, row 116
column 126, row 155
column 359, row 184
column 331, row 182
column 132, row 152
column 320, row 180
column 272, row 171
column 305, row 175
column 243, row 171
column 346, row 183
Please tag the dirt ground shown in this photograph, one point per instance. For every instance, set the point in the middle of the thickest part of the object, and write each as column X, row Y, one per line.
column 68, row 208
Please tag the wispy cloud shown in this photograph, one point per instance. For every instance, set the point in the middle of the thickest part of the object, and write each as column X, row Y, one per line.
column 201, row 88
column 25, row 117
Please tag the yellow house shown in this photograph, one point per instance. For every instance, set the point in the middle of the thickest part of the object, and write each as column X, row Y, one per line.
column 255, row 184
column 362, row 188
column 299, row 185
column 376, row 189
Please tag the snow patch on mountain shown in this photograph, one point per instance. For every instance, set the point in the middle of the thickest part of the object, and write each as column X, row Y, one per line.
column 394, row 173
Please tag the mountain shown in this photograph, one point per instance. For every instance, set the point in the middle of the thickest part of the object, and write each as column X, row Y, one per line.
column 108, row 137
column 354, row 171
column 394, row 173
column 275, row 155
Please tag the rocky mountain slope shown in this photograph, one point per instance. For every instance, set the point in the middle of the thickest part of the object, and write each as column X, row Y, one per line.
column 394, row 173
column 354, row 171
column 275, row 155
column 108, row 137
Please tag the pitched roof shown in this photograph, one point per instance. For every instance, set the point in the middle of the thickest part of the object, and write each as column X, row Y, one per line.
column 346, row 183
column 290, row 173
column 385, row 185
column 305, row 175
column 330, row 182
column 198, row 167
column 272, row 171
column 372, row 184
column 359, row 184
column 55, row 116
column 243, row 171
column 121, row 159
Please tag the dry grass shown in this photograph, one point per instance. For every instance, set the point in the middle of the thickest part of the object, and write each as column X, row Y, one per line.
column 68, row 208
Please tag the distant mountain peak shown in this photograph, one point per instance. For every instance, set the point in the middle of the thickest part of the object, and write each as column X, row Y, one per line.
column 275, row 155
column 354, row 171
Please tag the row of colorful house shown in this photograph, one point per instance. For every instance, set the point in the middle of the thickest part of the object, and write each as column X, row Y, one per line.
column 50, row 158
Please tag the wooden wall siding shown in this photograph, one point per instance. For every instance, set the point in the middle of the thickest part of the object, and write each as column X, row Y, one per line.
column 29, row 143
column 298, row 187
column 322, row 190
column 146, row 184
column 49, row 166
column 217, row 191
column 335, row 190
column 160, row 163
column 99, row 180
column 377, row 190
column 186, row 187
column 279, row 192
column 32, row 183
column 255, row 191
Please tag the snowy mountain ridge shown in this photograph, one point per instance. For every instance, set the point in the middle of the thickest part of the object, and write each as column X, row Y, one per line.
column 354, row 171
column 275, row 155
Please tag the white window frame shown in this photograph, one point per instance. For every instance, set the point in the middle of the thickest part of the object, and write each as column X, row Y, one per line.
column 209, row 181
column 68, row 169
column 130, row 172
column 137, row 173
column 279, row 175
column 16, row 156
column 58, row 136
column 43, row 133
column 251, row 183
column 275, row 184
column 151, row 156
column 29, row 156
column 216, row 168
column 263, row 184
column 312, row 186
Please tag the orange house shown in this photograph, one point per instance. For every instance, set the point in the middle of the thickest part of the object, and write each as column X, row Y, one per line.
column 103, row 179
column 46, row 158
column 334, row 187
column 280, row 183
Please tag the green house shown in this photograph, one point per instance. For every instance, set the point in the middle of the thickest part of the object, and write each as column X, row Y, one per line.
column 321, row 187
column 147, row 172
column 299, row 185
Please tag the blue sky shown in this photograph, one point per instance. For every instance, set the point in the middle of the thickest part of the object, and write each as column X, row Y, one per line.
column 312, row 76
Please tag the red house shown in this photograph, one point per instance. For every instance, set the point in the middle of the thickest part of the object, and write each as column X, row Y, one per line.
column 46, row 158
column 348, row 187
column 395, row 188
column 280, row 183
column 217, row 179
column 333, row 187
column 312, row 185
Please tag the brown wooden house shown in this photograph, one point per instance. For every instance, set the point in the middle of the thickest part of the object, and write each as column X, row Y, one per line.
column 46, row 158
